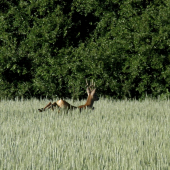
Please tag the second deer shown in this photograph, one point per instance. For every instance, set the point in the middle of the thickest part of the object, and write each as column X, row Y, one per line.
column 61, row 104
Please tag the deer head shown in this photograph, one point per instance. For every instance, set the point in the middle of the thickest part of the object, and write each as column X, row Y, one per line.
column 92, row 95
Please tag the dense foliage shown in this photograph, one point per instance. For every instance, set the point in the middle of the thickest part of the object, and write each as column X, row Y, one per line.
column 49, row 47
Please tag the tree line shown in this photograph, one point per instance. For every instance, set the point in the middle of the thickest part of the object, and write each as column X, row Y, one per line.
column 48, row 48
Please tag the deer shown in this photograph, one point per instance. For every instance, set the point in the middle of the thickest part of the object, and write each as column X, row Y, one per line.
column 62, row 104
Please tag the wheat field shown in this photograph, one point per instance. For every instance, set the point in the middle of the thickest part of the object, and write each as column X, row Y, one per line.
column 117, row 135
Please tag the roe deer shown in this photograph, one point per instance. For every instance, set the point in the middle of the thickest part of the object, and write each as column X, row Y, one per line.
column 92, row 96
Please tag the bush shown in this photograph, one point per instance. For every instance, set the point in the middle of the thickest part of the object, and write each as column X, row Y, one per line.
column 48, row 48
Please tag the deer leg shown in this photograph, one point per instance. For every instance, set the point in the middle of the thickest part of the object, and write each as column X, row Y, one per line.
column 54, row 105
column 47, row 106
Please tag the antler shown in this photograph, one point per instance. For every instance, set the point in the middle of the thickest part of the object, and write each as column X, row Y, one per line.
column 86, row 83
column 92, row 85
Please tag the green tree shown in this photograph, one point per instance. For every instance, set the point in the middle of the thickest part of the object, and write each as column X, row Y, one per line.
column 48, row 48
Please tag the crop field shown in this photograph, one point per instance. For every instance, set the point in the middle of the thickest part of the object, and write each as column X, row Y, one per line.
column 117, row 135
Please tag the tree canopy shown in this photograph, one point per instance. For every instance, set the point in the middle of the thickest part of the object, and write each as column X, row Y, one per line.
column 49, row 47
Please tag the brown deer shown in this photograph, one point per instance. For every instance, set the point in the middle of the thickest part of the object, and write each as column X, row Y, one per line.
column 61, row 104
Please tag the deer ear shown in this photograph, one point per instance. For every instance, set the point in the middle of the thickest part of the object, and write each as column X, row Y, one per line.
column 88, row 91
column 92, row 93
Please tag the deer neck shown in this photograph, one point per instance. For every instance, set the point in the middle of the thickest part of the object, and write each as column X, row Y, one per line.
column 89, row 101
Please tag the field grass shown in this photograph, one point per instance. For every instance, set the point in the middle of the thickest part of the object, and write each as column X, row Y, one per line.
column 116, row 135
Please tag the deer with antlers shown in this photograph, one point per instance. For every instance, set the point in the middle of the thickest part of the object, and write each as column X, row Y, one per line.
column 61, row 104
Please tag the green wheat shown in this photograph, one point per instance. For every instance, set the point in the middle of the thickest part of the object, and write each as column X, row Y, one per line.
column 116, row 135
